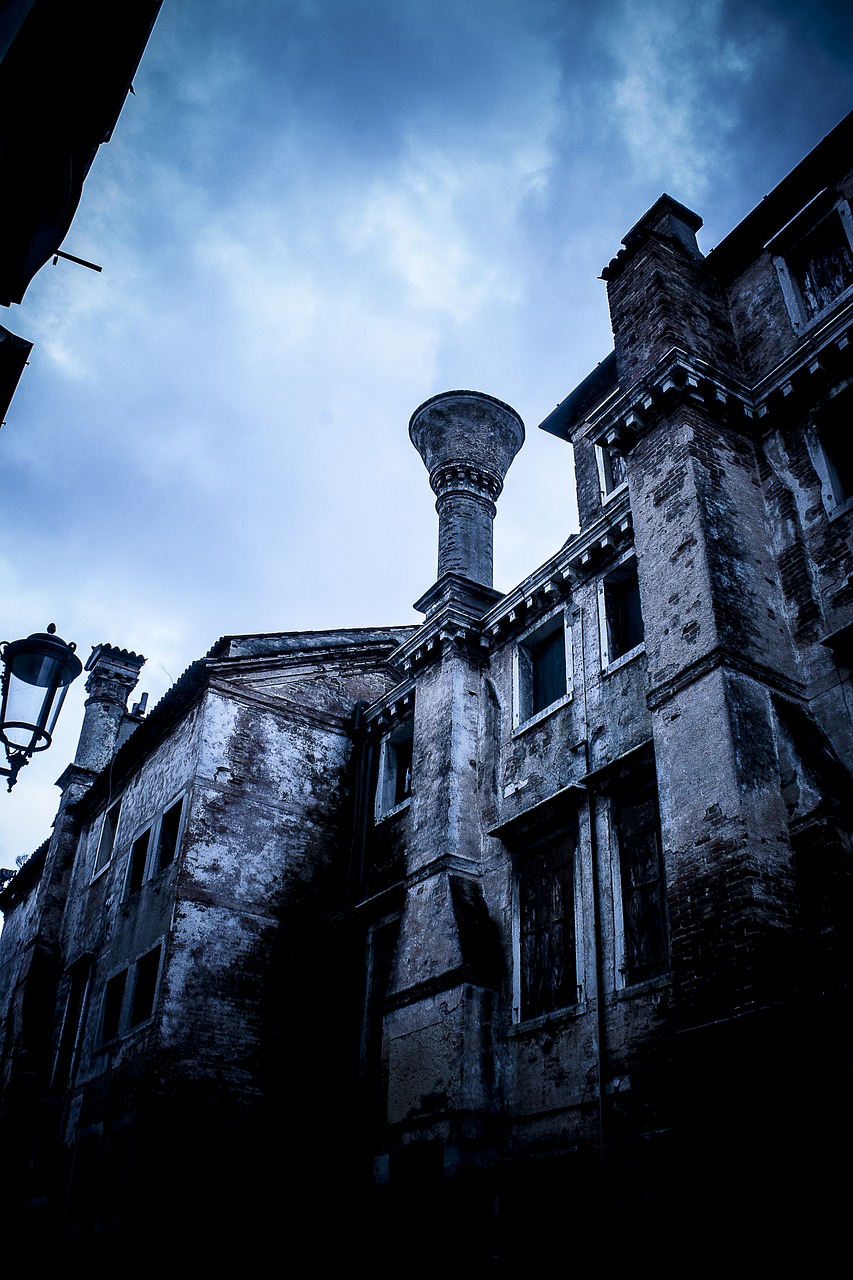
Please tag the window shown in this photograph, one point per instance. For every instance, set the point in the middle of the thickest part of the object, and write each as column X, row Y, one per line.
column 612, row 468
column 813, row 256
column 542, row 667
column 547, row 965
column 833, row 457
column 620, row 614
column 636, row 823
column 170, row 827
column 145, row 987
column 79, row 975
column 381, row 948
column 141, row 977
column 108, row 836
column 394, row 785
column 113, row 1002
column 138, row 860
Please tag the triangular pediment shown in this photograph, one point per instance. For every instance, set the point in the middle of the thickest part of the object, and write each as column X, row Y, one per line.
column 333, row 686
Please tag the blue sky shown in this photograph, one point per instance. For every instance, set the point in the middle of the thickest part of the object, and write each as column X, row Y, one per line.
column 312, row 216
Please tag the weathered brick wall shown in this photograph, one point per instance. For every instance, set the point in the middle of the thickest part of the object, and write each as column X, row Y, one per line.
column 662, row 296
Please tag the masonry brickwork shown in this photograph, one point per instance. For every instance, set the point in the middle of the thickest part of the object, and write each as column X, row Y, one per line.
column 535, row 914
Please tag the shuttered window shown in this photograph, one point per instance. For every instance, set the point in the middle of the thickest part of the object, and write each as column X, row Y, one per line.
column 643, row 892
column 548, row 670
column 547, row 926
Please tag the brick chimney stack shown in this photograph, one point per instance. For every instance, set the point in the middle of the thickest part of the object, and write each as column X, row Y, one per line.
column 114, row 674
column 467, row 441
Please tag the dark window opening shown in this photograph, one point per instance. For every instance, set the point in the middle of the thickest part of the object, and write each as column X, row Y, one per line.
column 138, row 859
column 614, row 467
column 835, row 428
column 145, row 987
column 643, row 891
column 113, row 1001
column 547, row 926
column 623, row 616
column 402, row 769
column 72, row 1022
column 548, row 670
column 169, row 828
column 108, row 836
column 84, row 1186
column 821, row 265
column 382, row 947
column 394, row 782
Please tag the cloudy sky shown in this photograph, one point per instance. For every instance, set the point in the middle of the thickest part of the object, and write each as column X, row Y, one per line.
column 313, row 215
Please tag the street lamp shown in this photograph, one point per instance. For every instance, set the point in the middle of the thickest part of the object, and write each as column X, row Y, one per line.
column 36, row 675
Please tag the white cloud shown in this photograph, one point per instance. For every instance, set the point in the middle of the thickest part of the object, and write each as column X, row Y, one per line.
column 679, row 70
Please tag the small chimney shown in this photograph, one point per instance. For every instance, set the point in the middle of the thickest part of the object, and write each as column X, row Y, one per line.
column 114, row 674
column 467, row 441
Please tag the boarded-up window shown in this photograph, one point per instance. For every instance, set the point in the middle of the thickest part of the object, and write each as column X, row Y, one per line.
column 548, row 670
column 547, row 926
column 643, row 891
column 542, row 669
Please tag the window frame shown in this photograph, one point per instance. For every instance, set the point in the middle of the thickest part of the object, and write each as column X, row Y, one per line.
column 523, row 853
column 122, row 1023
column 827, row 205
column 156, row 864
column 523, row 715
column 102, row 862
column 638, row 784
column 626, row 567
column 116, row 1023
column 74, row 1015
column 131, row 887
column 386, row 802
column 134, row 1021
column 837, row 498
column 604, row 463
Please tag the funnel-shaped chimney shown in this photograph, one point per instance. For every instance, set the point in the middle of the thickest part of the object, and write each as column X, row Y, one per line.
column 467, row 441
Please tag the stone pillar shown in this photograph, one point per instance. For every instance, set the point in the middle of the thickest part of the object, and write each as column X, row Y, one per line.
column 113, row 677
column 467, row 441
column 447, row 972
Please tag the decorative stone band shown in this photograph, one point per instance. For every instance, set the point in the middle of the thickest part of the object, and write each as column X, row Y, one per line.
column 678, row 377
column 112, row 687
column 461, row 477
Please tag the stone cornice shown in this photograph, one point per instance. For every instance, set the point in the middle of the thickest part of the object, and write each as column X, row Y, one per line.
column 464, row 477
column 450, row 624
column 716, row 658
column 675, row 379
column 679, row 378
column 395, row 705
column 825, row 352
column 584, row 554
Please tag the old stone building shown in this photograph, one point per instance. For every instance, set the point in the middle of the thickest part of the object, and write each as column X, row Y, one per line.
column 533, row 918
